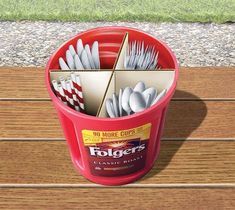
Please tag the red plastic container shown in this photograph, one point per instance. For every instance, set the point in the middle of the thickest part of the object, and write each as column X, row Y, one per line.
column 75, row 124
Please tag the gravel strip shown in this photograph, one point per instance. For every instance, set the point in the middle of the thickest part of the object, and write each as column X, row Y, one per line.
column 31, row 43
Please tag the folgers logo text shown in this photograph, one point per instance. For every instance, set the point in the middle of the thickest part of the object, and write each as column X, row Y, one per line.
column 115, row 153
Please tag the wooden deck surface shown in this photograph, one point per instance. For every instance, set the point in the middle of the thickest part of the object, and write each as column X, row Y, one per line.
column 195, row 169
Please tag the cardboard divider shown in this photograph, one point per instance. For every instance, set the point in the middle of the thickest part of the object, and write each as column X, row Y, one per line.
column 94, row 85
column 119, row 63
column 157, row 79
column 121, row 79
column 108, row 92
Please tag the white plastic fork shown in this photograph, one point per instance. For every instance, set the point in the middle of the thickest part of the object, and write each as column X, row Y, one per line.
column 139, row 58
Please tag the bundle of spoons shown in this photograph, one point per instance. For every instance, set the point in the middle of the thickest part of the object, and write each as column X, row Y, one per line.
column 132, row 100
column 81, row 58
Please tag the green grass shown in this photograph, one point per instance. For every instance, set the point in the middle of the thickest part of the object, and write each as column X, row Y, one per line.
column 219, row 11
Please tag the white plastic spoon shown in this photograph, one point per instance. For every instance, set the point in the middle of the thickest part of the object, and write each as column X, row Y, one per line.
column 95, row 54
column 88, row 52
column 150, row 91
column 109, row 108
column 63, row 65
column 125, row 99
column 120, row 102
column 78, row 63
column 140, row 87
column 158, row 98
column 84, row 60
column 72, row 50
column 137, row 102
column 70, row 60
column 115, row 105
column 80, row 47
column 148, row 100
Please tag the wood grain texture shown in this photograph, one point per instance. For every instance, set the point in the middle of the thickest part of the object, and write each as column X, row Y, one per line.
column 29, row 83
column 117, row 198
column 22, row 82
column 206, row 82
column 198, row 119
column 185, row 119
column 28, row 119
column 180, row 162
column 29, row 162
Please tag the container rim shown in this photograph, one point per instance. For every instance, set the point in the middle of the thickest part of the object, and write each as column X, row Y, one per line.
column 90, row 117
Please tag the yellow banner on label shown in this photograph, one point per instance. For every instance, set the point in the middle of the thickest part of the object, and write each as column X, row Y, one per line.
column 91, row 137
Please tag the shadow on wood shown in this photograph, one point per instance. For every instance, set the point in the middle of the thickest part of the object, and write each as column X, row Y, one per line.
column 186, row 121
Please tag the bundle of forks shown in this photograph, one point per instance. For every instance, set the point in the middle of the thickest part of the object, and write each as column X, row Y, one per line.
column 140, row 58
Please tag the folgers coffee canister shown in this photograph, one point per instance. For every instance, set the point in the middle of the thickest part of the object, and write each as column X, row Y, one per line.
column 113, row 151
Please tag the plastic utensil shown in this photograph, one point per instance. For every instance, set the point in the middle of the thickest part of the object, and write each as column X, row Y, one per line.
column 80, row 47
column 150, row 91
column 137, row 102
column 72, row 50
column 70, row 60
column 115, row 105
column 78, row 63
column 84, row 60
column 140, row 87
column 148, row 101
column 95, row 54
column 120, row 102
column 158, row 98
column 88, row 52
column 125, row 99
column 109, row 108
column 63, row 65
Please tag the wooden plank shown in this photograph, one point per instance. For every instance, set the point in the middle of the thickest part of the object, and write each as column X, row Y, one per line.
column 32, row 162
column 28, row 119
column 206, row 82
column 22, row 82
column 185, row 119
column 218, row 83
column 113, row 198
column 198, row 119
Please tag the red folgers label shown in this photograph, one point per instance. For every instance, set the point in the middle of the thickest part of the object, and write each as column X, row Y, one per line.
column 115, row 153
